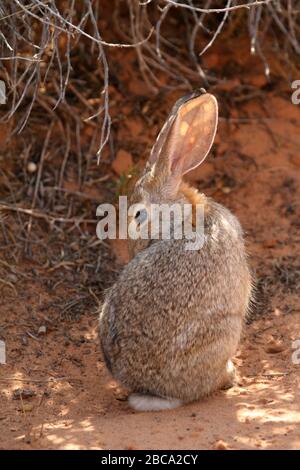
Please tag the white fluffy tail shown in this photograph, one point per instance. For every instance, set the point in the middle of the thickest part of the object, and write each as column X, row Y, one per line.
column 141, row 402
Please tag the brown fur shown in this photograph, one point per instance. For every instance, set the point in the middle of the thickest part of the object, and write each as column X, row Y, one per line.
column 194, row 198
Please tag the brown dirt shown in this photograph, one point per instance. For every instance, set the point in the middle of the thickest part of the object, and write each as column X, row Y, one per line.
column 254, row 170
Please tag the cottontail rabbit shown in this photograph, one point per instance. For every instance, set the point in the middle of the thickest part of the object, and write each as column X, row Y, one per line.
column 172, row 321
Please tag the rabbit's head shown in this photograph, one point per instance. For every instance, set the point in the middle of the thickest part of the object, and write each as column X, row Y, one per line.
column 182, row 145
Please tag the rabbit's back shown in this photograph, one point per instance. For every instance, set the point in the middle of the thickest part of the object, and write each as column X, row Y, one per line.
column 174, row 316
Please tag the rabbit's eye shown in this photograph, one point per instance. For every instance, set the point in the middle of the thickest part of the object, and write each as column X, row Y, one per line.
column 141, row 216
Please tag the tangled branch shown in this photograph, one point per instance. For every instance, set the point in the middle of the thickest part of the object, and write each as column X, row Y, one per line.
column 43, row 42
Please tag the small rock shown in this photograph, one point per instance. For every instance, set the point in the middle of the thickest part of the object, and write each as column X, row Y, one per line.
column 220, row 445
column 31, row 167
column 226, row 189
column 42, row 330
column 25, row 393
column 122, row 163
column 275, row 347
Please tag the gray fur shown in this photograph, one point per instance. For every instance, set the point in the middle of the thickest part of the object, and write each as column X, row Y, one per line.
column 172, row 321
column 174, row 317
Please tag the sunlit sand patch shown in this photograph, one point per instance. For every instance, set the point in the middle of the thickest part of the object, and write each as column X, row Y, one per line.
column 263, row 415
column 70, row 440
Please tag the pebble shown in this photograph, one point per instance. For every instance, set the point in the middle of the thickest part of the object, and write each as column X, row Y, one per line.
column 275, row 347
column 42, row 330
column 220, row 445
column 25, row 393
column 31, row 167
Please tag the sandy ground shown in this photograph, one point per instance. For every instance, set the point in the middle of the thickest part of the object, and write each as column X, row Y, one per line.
column 75, row 403
column 254, row 170
column 78, row 406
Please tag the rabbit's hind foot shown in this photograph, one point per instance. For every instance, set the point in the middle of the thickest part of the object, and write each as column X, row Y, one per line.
column 140, row 402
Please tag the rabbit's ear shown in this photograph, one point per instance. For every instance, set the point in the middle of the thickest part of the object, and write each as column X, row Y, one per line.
column 187, row 136
column 157, row 149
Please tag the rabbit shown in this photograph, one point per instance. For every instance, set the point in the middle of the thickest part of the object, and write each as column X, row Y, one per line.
column 172, row 322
